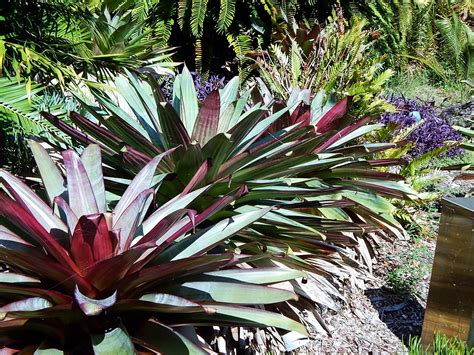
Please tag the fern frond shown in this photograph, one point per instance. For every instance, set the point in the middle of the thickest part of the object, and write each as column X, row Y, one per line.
column 296, row 62
column 182, row 7
column 226, row 15
column 198, row 14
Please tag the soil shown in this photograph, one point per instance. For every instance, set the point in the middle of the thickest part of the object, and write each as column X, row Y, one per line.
column 376, row 319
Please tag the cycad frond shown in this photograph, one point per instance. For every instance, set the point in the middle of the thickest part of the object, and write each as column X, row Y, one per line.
column 20, row 114
column 453, row 33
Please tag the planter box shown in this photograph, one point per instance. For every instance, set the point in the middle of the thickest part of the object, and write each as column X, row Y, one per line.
column 450, row 306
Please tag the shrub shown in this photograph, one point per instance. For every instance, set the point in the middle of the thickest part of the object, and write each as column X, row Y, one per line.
column 327, row 59
column 429, row 130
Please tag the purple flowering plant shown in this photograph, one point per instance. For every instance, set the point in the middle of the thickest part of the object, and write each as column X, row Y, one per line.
column 203, row 88
column 433, row 131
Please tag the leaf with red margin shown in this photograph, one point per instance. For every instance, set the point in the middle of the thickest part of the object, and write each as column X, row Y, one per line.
column 29, row 201
column 71, row 217
column 341, row 134
column 331, row 119
column 360, row 173
column 81, row 195
column 136, row 284
column 142, row 181
column 131, row 217
column 197, row 178
column 134, row 158
column 218, row 205
column 158, row 303
column 97, row 131
column 12, row 211
column 131, row 136
column 28, row 258
column 174, row 132
column 55, row 297
column 74, row 133
column 92, row 161
column 149, row 240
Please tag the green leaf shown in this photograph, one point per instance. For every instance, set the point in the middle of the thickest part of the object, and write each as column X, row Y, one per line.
column 260, row 276
column 204, row 240
column 160, row 338
column 188, row 109
column 226, row 15
column 116, row 342
column 10, row 277
column 463, row 130
column 48, row 351
column 26, row 305
column 356, row 134
column 259, row 128
column 229, row 93
column 92, row 161
column 52, row 178
column 371, row 201
column 171, row 300
column 257, row 317
column 233, row 293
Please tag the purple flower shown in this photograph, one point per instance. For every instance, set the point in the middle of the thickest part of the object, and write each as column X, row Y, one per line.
column 203, row 89
column 432, row 133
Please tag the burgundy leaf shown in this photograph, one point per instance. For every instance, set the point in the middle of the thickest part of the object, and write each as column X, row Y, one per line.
column 105, row 274
column 207, row 121
column 107, row 137
column 341, row 134
column 14, row 213
column 197, row 178
column 75, row 133
column 331, row 119
column 92, row 241
column 133, row 157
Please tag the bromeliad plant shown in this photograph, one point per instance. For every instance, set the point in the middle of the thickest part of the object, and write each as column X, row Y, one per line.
column 83, row 278
column 296, row 157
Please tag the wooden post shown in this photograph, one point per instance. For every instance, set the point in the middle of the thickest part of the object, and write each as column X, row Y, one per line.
column 450, row 306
